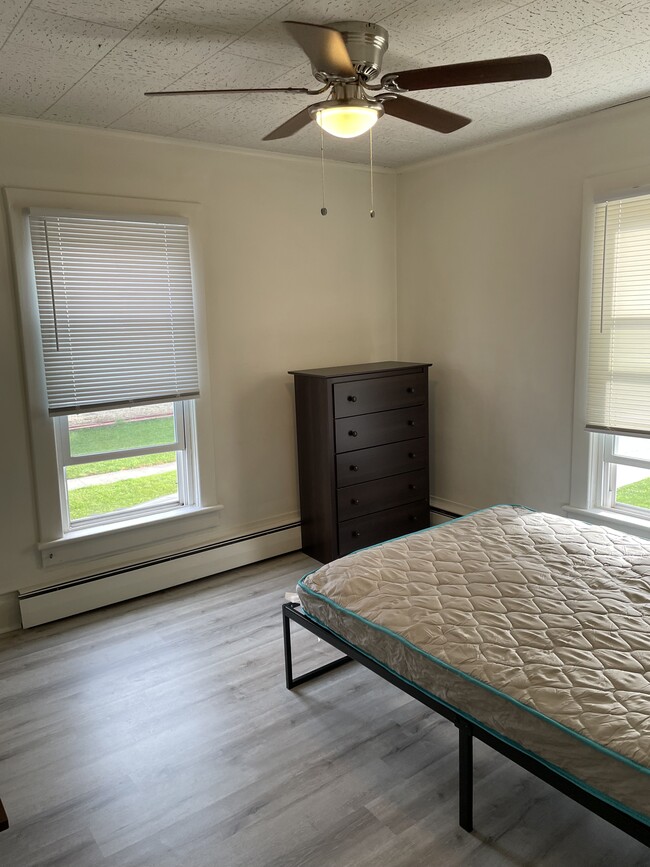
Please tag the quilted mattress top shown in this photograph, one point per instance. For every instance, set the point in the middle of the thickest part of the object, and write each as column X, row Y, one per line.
column 553, row 614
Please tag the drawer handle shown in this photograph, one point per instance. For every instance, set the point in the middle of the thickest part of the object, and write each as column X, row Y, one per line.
column 353, row 433
column 413, row 518
column 354, row 468
column 354, row 501
column 412, row 455
column 410, row 423
column 413, row 487
column 355, row 534
column 410, row 390
column 352, row 398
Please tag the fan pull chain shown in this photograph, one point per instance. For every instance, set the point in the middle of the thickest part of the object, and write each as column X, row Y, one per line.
column 323, row 209
column 372, row 180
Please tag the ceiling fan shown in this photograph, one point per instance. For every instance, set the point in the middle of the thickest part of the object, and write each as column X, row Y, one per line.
column 347, row 56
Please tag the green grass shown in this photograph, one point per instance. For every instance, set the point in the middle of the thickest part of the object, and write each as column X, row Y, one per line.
column 100, row 499
column 78, row 471
column 636, row 494
column 122, row 494
column 122, row 435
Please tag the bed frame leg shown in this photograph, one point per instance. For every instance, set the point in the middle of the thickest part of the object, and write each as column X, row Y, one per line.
column 289, row 613
column 465, row 776
column 288, row 662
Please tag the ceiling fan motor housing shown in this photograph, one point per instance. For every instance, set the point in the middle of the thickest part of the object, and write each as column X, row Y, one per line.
column 366, row 44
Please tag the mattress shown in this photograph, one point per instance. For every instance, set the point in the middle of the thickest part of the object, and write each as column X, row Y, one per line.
column 535, row 626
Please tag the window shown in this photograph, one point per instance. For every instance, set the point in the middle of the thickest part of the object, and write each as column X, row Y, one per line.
column 116, row 315
column 616, row 379
column 622, row 474
column 118, row 282
column 121, row 463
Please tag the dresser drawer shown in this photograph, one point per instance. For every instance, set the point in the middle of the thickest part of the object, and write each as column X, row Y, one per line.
column 375, row 528
column 378, row 428
column 381, row 494
column 374, row 395
column 363, row 465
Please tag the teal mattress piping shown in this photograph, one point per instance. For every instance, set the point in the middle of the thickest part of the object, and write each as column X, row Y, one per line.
column 499, row 735
column 605, row 750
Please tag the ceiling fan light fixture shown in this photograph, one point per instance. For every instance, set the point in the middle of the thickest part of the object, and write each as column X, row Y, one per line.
column 346, row 119
column 349, row 54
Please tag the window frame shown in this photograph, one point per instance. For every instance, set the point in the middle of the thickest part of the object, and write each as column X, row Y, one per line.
column 142, row 533
column 603, row 471
column 589, row 473
column 183, row 445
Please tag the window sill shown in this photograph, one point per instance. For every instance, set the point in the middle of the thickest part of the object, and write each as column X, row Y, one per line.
column 108, row 539
column 610, row 518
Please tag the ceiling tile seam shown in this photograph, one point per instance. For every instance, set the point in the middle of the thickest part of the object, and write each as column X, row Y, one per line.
column 126, row 35
column 176, row 129
column 205, row 60
column 535, row 130
column 34, row 5
column 88, row 71
column 622, row 77
column 568, row 66
column 395, row 11
column 218, row 111
column 235, row 99
column 20, row 18
column 236, row 39
column 477, row 30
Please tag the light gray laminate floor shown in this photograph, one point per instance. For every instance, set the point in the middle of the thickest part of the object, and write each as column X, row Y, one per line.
column 159, row 733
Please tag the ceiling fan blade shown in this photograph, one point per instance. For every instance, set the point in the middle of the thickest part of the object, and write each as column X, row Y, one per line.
column 424, row 114
column 291, row 126
column 230, row 90
column 324, row 46
column 476, row 72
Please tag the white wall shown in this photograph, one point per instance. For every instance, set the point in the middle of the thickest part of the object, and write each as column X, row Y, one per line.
column 286, row 288
column 488, row 248
column 488, row 273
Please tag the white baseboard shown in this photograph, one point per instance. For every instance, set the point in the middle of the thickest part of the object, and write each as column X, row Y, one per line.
column 44, row 606
column 9, row 612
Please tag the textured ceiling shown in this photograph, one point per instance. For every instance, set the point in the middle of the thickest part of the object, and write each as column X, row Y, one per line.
column 89, row 62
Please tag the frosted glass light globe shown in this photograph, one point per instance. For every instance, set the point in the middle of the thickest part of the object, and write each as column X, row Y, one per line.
column 347, row 121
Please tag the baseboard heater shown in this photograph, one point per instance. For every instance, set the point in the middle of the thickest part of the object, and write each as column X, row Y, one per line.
column 444, row 513
column 46, row 604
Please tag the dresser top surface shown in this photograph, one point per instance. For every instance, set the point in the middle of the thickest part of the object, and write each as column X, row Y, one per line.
column 361, row 369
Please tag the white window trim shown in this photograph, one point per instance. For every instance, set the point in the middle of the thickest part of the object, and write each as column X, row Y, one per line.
column 605, row 478
column 588, row 450
column 183, row 444
column 141, row 530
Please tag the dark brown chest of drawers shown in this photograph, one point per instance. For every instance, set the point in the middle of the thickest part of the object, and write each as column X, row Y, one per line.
column 363, row 455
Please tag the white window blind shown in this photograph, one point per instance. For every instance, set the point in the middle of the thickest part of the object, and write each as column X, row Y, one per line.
column 618, row 398
column 116, row 310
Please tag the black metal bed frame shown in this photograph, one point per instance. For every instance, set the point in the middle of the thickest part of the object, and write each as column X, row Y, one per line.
column 468, row 729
